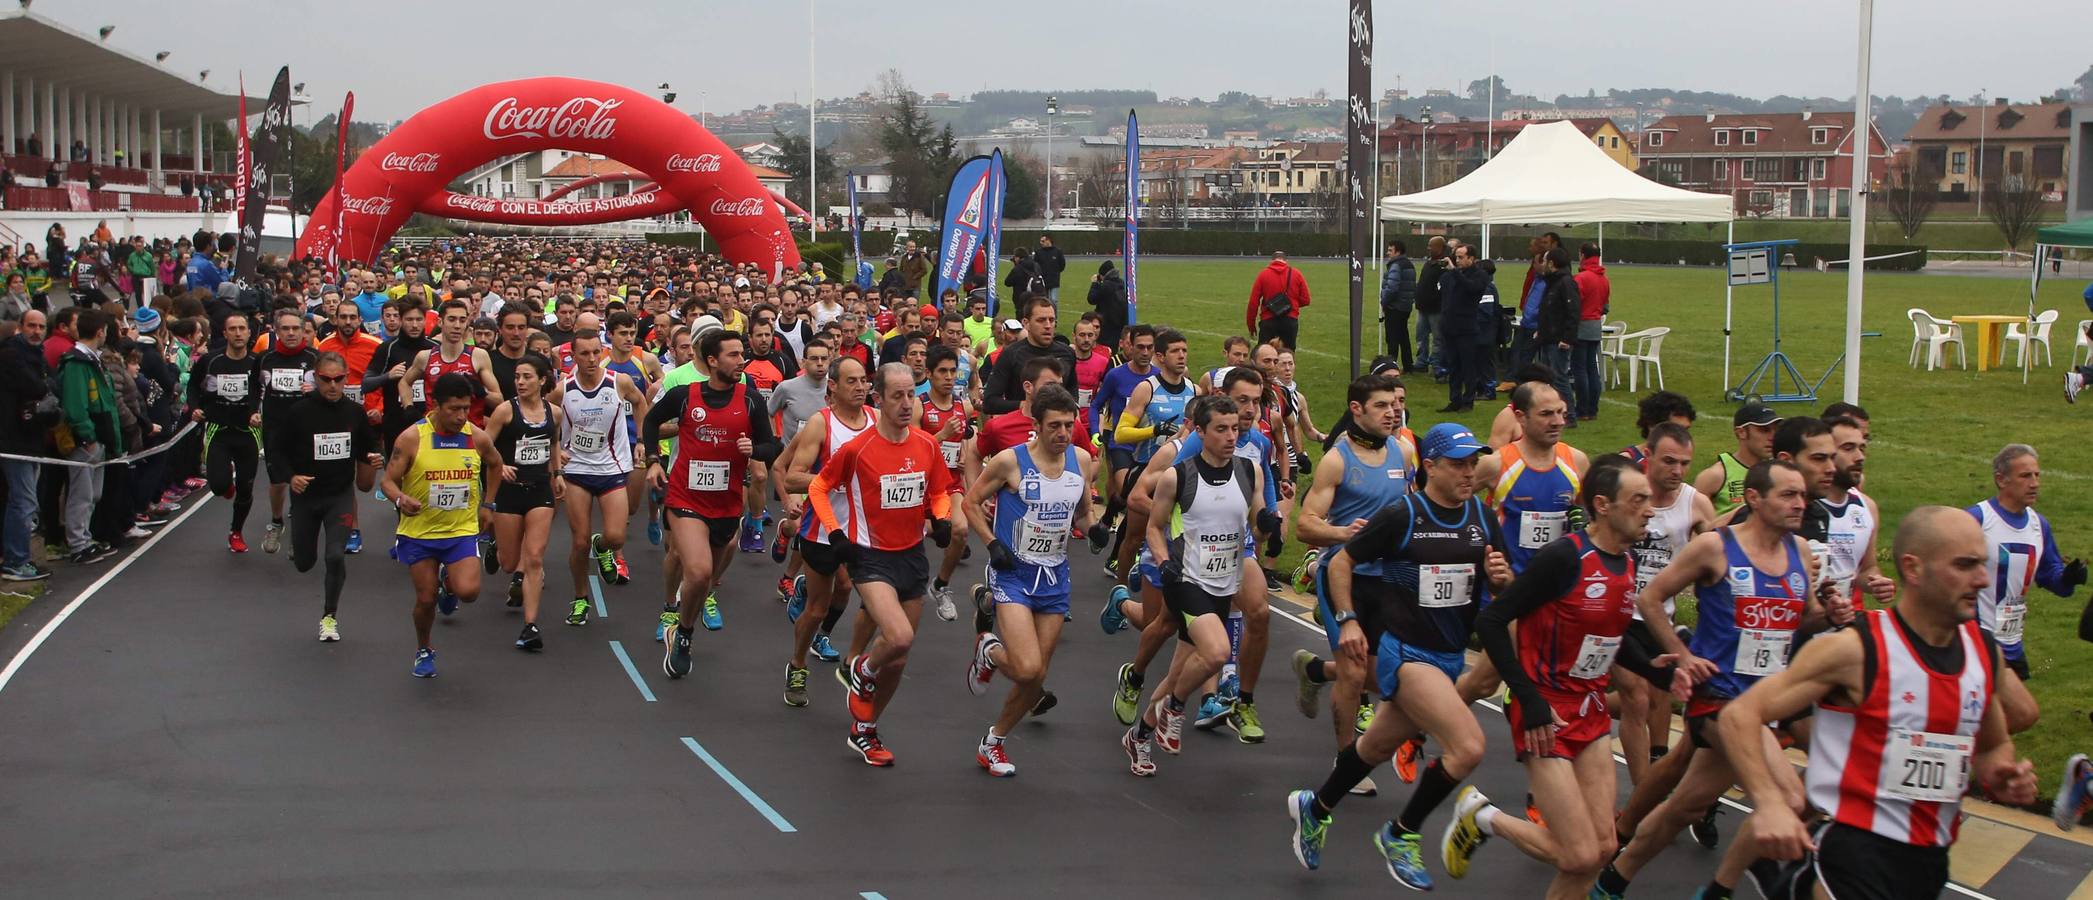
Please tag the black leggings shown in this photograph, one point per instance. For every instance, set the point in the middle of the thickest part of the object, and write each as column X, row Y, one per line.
column 310, row 516
column 229, row 459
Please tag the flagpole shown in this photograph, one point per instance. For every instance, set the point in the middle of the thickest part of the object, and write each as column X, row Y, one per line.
column 813, row 204
column 1856, row 247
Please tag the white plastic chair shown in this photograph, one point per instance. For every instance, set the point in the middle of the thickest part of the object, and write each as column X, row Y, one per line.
column 1610, row 349
column 2017, row 337
column 1934, row 334
column 2081, row 344
column 1648, row 351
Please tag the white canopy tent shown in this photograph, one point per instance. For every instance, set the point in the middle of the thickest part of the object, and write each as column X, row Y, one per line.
column 1554, row 173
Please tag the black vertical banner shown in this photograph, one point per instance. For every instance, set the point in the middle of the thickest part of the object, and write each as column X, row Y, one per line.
column 1359, row 154
column 271, row 138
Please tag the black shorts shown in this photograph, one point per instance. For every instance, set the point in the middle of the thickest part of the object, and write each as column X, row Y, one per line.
column 1121, row 458
column 908, row 571
column 514, row 498
column 1190, row 601
column 719, row 530
column 2019, row 666
column 1640, row 635
column 1698, row 726
column 819, row 556
column 1861, row 865
column 279, row 468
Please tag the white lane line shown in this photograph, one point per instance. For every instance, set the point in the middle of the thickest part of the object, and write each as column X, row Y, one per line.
column 43, row 634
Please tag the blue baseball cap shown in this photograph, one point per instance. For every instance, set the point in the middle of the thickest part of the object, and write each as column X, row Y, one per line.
column 1450, row 440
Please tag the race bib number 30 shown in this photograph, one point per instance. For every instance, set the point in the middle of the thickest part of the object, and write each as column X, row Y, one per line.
column 1538, row 529
column 333, row 445
column 1440, row 586
column 902, row 490
column 1927, row 767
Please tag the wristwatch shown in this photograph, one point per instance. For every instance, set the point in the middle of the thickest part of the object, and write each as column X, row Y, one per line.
column 1346, row 616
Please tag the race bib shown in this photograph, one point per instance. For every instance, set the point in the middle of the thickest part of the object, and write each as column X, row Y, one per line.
column 1538, row 529
column 626, row 405
column 1083, row 398
column 901, row 490
column 1762, row 651
column 418, row 392
column 2013, row 620
column 353, row 390
column 229, row 388
column 533, row 451
column 951, row 450
column 1595, row 656
column 333, row 445
column 1440, row 586
column 1041, row 545
column 286, row 381
column 585, row 441
column 709, row 475
column 450, row 497
column 1927, row 767
column 1214, row 561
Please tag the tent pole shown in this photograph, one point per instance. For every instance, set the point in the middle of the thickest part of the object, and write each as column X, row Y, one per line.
column 1857, row 185
column 1602, row 241
column 1486, row 240
column 1728, row 292
column 2027, row 342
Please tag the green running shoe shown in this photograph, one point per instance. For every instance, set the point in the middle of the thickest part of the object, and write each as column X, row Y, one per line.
column 1248, row 728
column 710, row 614
column 606, row 560
column 668, row 623
column 580, row 613
column 795, row 685
column 1404, row 857
column 1126, row 698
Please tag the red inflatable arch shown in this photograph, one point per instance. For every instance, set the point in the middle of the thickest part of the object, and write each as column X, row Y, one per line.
column 409, row 169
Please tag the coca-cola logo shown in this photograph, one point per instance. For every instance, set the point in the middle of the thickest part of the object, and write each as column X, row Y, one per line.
column 747, row 206
column 372, row 206
column 703, row 162
column 469, row 202
column 587, row 118
column 409, row 162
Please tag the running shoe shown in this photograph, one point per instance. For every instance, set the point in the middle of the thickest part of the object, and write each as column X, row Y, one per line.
column 2073, row 383
column 2073, row 795
column 272, row 538
column 752, row 536
column 515, row 590
column 1126, row 698
column 871, row 750
column 1769, row 878
column 1405, row 857
column 164, row 510
column 709, row 613
column 425, row 663
column 446, row 602
column 1703, row 830
column 784, row 588
column 991, row 757
column 490, row 561
column 97, row 551
column 825, row 651
column 982, row 668
column 796, row 599
column 606, row 562
column 25, row 571
column 149, row 519
column 137, row 533
column 1309, row 829
column 1463, row 836
column 984, row 609
column 355, row 544
column 941, row 596
column 1228, row 687
column 330, row 631
column 675, row 656
column 1308, row 695
column 654, row 531
column 1098, row 540
column 1600, row 893
column 1113, row 618
column 1212, row 712
column 624, row 573
column 863, row 687
column 1170, row 727
column 1045, row 704
column 1139, row 760
column 236, row 543
column 195, row 484
column 668, row 622
column 1533, row 812
column 1407, row 757
column 579, row 615
column 795, row 685
column 780, row 548
column 1248, row 728
column 529, row 639
column 1366, row 787
column 1304, row 574
column 1273, row 582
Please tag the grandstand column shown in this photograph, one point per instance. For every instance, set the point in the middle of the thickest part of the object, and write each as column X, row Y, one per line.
column 62, row 141
column 7, row 108
column 159, row 172
column 50, row 132
column 196, row 144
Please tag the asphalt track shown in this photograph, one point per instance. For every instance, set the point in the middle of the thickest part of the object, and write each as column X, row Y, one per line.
column 182, row 734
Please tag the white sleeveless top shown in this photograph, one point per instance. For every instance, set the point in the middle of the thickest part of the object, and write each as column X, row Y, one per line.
column 595, row 436
column 1669, row 529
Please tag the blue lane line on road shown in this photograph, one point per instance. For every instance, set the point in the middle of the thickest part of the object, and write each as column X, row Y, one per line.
column 631, row 670
column 871, row 895
column 740, row 788
column 596, row 591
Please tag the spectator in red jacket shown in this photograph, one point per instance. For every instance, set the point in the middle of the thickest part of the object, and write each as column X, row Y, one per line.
column 1594, row 291
column 1276, row 300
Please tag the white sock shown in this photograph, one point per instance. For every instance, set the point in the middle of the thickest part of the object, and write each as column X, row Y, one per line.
column 1486, row 819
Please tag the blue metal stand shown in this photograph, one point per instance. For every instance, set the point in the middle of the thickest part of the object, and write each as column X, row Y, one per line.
column 1776, row 366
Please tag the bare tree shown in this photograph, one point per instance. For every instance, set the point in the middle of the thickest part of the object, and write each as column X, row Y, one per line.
column 1912, row 193
column 2015, row 205
column 1101, row 180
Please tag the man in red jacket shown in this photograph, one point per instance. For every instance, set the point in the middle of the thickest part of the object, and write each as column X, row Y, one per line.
column 1595, row 291
column 1276, row 300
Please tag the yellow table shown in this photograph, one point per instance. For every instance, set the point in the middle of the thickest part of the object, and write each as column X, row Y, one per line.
column 1991, row 348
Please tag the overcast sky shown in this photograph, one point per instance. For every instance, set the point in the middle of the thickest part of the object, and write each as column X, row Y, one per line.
column 399, row 57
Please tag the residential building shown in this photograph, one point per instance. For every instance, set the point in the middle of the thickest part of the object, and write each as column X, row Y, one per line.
column 1954, row 146
column 1774, row 164
column 1292, row 173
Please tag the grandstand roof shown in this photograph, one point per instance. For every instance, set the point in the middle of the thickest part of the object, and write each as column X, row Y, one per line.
column 34, row 46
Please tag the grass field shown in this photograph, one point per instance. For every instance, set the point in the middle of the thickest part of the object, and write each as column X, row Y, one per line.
column 1934, row 432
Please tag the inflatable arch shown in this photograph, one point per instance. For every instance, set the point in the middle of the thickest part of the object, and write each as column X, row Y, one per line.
column 408, row 170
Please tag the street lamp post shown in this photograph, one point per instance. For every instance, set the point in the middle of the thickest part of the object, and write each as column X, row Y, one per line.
column 1983, row 119
column 1053, row 106
column 1424, row 172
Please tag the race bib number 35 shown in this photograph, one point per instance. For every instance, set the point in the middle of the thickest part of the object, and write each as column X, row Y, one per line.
column 901, row 490
column 1538, row 529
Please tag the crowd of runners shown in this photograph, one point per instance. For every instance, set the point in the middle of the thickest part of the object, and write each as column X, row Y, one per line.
column 486, row 387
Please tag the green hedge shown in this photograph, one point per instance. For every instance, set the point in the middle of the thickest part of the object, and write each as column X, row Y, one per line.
column 832, row 257
column 1654, row 251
